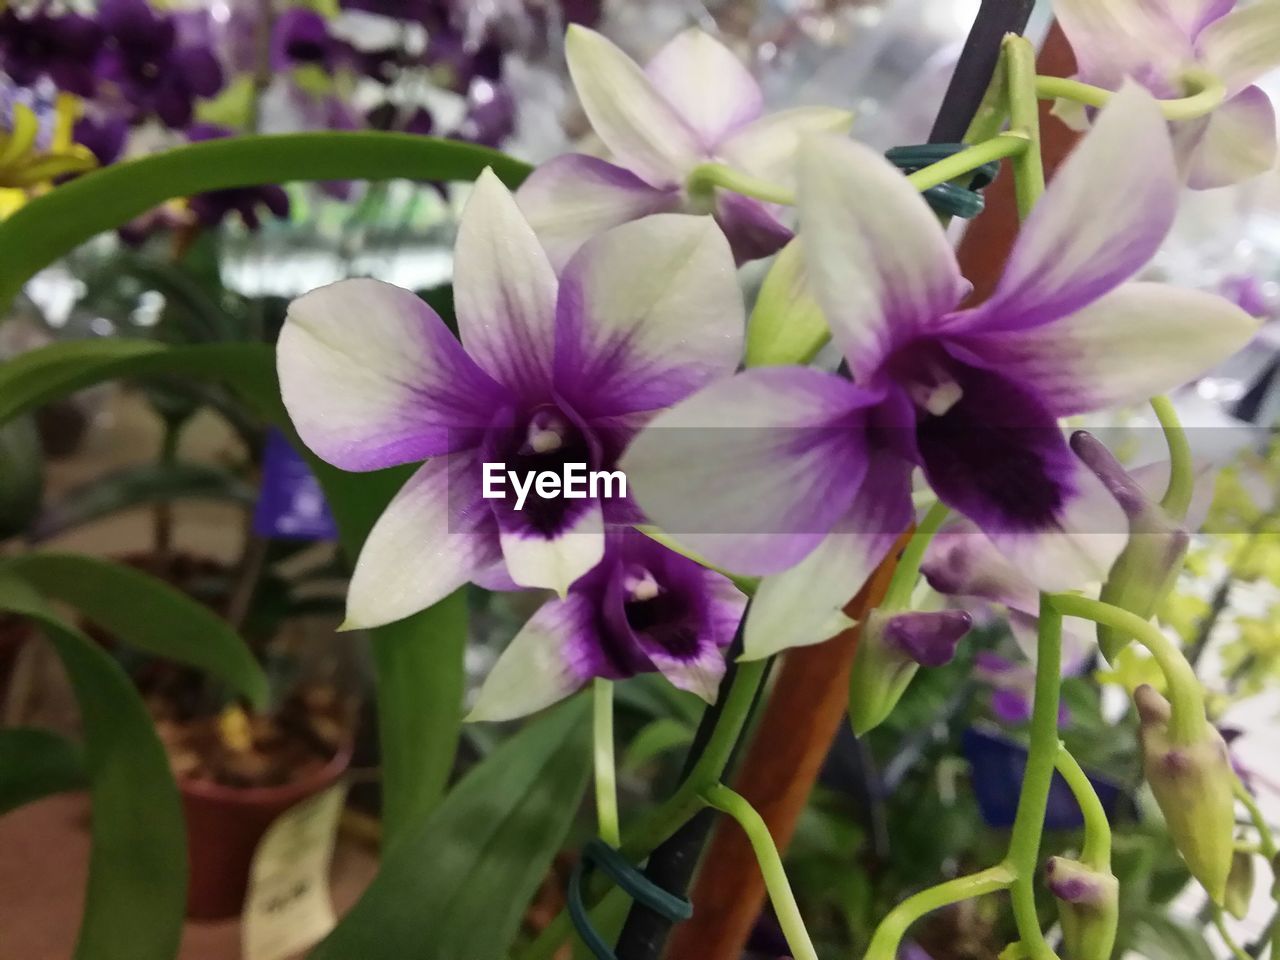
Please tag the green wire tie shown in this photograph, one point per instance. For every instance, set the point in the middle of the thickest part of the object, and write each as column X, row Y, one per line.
column 628, row 877
column 947, row 199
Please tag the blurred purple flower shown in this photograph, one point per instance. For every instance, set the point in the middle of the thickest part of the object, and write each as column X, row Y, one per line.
column 212, row 208
column 104, row 136
column 155, row 72
column 63, row 48
column 301, row 38
column 1012, row 688
column 490, row 116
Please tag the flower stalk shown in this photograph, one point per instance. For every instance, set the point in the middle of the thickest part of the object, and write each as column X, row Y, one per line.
column 1177, row 497
column 605, row 768
column 1024, row 119
column 1207, row 94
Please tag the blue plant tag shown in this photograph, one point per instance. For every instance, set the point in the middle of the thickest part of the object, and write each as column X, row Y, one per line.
column 291, row 504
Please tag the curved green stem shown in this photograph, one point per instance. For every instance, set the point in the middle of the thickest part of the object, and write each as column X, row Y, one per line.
column 1188, row 721
column 1266, row 838
column 605, row 769
column 889, row 934
column 1220, row 924
column 775, row 877
column 1208, row 96
column 707, row 176
column 1182, row 478
column 957, row 165
column 1097, row 829
column 903, row 583
column 1024, row 118
column 1042, row 756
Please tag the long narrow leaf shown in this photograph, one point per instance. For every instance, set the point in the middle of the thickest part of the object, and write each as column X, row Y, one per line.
column 137, row 870
column 53, row 225
column 35, row 763
column 458, row 884
column 146, row 614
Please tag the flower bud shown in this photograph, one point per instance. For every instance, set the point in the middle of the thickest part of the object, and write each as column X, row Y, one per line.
column 1147, row 568
column 1192, row 784
column 1088, row 907
column 1239, row 885
column 892, row 647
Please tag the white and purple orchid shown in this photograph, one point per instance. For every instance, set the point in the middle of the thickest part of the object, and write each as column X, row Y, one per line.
column 818, row 483
column 643, row 608
column 694, row 103
column 549, row 371
column 1173, row 47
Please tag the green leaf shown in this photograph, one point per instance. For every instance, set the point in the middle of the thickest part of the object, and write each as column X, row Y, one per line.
column 787, row 325
column 459, row 883
column 142, row 485
column 1157, row 937
column 21, row 475
column 136, row 895
column 35, row 763
column 146, row 614
column 54, row 224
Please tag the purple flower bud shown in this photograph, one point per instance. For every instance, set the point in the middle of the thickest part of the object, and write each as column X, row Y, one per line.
column 892, row 647
column 1193, row 785
column 1088, row 906
column 1147, row 568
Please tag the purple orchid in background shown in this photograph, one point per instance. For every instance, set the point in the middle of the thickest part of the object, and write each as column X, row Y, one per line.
column 1169, row 46
column 300, row 37
column 643, row 608
column 213, row 207
column 104, row 136
column 490, row 116
column 1013, row 687
column 694, row 103
column 155, row 72
column 549, row 371
column 819, row 485
column 62, row 47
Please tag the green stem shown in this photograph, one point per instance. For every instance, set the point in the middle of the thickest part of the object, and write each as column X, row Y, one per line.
column 1266, row 838
column 1220, row 923
column 775, row 877
column 605, row 769
column 903, row 584
column 1209, row 92
column 889, row 934
column 1097, row 830
column 1188, row 722
column 1177, row 497
column 1028, row 825
column 994, row 107
column 1024, row 118
column 706, row 177
column 957, row 165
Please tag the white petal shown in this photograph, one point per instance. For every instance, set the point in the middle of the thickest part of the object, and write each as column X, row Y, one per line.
column 649, row 312
column 805, row 605
column 573, row 198
column 504, row 290
column 1139, row 340
column 1243, row 46
column 766, row 148
column 1105, row 214
column 708, row 86
column 372, row 378
column 433, row 536
column 1113, row 39
column 753, row 471
column 1238, row 143
column 636, row 123
column 554, row 563
column 537, row 668
column 879, row 261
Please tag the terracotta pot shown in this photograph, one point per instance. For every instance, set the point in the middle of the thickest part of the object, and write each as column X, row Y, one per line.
column 224, row 827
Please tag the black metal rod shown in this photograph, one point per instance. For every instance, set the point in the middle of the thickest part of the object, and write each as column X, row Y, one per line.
column 672, row 863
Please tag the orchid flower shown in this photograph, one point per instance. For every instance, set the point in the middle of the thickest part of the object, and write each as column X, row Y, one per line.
column 694, row 103
column 642, row 608
column 549, row 371
column 1171, row 46
column 819, row 486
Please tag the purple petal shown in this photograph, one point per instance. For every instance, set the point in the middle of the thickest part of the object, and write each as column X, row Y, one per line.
column 963, row 562
column 200, row 70
column 706, row 85
column 504, row 291
column 433, row 537
column 371, row 377
column 753, row 227
column 1239, row 142
column 883, row 272
column 1113, row 40
column 1068, row 254
column 573, row 198
column 928, row 638
column 755, row 470
column 1012, row 707
column 648, row 313
column 1140, row 340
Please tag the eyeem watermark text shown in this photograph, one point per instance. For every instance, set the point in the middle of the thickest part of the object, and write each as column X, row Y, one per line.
column 573, row 482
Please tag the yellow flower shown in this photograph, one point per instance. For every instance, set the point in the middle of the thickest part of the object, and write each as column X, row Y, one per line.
column 36, row 147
